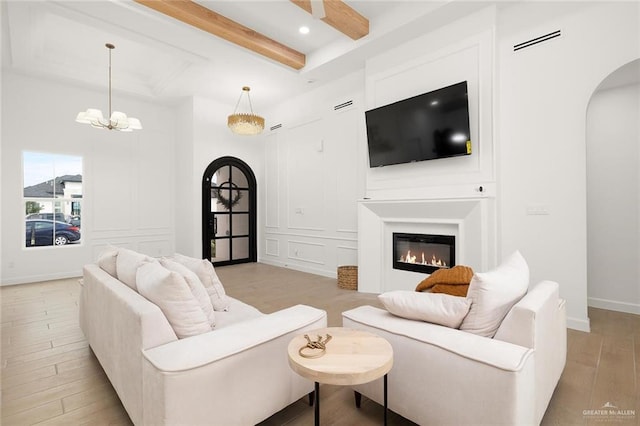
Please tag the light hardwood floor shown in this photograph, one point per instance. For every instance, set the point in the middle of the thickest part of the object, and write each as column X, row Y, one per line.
column 50, row 376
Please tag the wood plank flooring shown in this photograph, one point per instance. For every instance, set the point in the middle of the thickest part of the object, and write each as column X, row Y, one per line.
column 50, row 377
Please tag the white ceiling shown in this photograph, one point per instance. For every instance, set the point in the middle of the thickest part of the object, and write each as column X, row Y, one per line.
column 160, row 58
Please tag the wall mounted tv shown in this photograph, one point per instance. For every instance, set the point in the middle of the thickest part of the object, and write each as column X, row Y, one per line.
column 425, row 127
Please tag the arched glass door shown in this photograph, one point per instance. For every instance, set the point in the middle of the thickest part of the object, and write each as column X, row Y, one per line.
column 229, row 212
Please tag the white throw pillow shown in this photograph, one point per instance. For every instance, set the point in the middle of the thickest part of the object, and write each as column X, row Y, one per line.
column 494, row 293
column 127, row 264
column 195, row 285
column 107, row 261
column 170, row 291
column 436, row 308
column 204, row 270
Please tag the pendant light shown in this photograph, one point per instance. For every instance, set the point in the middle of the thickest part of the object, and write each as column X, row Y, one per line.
column 117, row 120
column 246, row 123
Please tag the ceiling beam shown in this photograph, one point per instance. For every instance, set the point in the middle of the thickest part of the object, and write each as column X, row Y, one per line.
column 341, row 17
column 207, row 20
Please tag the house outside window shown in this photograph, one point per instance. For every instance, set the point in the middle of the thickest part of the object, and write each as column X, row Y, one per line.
column 52, row 199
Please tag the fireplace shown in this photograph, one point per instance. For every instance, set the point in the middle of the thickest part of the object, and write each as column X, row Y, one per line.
column 423, row 253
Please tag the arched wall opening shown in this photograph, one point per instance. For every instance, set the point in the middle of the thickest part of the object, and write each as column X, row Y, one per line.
column 613, row 191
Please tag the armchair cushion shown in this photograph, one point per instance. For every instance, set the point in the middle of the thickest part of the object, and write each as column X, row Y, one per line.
column 442, row 309
column 494, row 293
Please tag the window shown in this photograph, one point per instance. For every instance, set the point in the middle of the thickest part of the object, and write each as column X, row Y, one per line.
column 52, row 194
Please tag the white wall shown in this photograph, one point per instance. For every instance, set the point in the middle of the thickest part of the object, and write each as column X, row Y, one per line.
column 186, row 193
column 460, row 51
column 537, row 129
column 313, row 176
column 210, row 139
column 128, row 179
column 613, row 195
column 539, row 117
column 544, row 93
column 436, row 196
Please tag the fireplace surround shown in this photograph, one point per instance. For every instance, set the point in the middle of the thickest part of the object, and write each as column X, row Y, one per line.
column 471, row 221
column 424, row 253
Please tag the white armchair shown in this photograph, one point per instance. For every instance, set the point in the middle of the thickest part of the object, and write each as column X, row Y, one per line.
column 445, row 376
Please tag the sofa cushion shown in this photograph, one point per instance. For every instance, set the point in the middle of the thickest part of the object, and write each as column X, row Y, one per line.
column 171, row 293
column 442, row 309
column 238, row 312
column 493, row 294
column 107, row 260
column 196, row 287
column 207, row 274
column 127, row 264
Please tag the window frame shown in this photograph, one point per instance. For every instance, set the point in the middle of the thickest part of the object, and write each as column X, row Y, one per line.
column 60, row 165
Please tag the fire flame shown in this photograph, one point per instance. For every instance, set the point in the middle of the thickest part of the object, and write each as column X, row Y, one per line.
column 410, row 258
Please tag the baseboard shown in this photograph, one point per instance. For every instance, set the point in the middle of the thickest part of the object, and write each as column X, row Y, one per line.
column 301, row 268
column 614, row 305
column 579, row 324
column 39, row 278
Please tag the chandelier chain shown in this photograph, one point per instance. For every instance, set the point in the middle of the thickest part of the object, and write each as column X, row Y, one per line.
column 244, row 89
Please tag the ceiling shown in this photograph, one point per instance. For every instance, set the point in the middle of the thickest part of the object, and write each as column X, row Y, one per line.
column 161, row 58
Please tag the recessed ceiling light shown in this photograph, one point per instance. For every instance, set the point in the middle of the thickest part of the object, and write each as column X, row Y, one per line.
column 304, row 30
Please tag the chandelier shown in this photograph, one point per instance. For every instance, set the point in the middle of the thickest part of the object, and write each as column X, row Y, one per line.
column 246, row 123
column 117, row 120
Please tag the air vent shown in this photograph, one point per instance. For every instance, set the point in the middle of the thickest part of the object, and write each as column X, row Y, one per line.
column 342, row 105
column 536, row 40
column 276, row 127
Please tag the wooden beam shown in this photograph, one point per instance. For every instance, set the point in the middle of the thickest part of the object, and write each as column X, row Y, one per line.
column 341, row 17
column 207, row 20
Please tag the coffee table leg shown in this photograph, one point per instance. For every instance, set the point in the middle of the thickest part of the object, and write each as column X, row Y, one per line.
column 385, row 400
column 317, row 408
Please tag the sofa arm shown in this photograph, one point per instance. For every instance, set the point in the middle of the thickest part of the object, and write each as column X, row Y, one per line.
column 118, row 324
column 196, row 351
column 538, row 321
column 502, row 355
column 238, row 375
column 534, row 316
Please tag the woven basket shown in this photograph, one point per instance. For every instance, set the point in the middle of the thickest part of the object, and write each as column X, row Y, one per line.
column 348, row 277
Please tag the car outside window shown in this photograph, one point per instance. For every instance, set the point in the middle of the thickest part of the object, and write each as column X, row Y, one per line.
column 52, row 194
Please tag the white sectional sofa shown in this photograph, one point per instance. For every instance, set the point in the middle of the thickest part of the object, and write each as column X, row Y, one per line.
column 235, row 374
column 446, row 376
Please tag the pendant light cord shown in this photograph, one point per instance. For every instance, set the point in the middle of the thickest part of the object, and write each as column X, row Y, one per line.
column 244, row 89
column 110, row 47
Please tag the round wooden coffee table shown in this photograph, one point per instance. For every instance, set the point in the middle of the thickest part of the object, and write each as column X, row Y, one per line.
column 351, row 357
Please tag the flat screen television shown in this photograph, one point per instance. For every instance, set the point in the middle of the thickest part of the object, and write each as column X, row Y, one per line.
column 425, row 127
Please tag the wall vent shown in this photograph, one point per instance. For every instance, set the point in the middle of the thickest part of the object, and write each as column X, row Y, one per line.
column 536, row 40
column 342, row 105
column 276, row 127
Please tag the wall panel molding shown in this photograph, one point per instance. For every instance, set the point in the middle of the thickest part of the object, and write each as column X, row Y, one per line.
column 306, row 251
column 272, row 247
